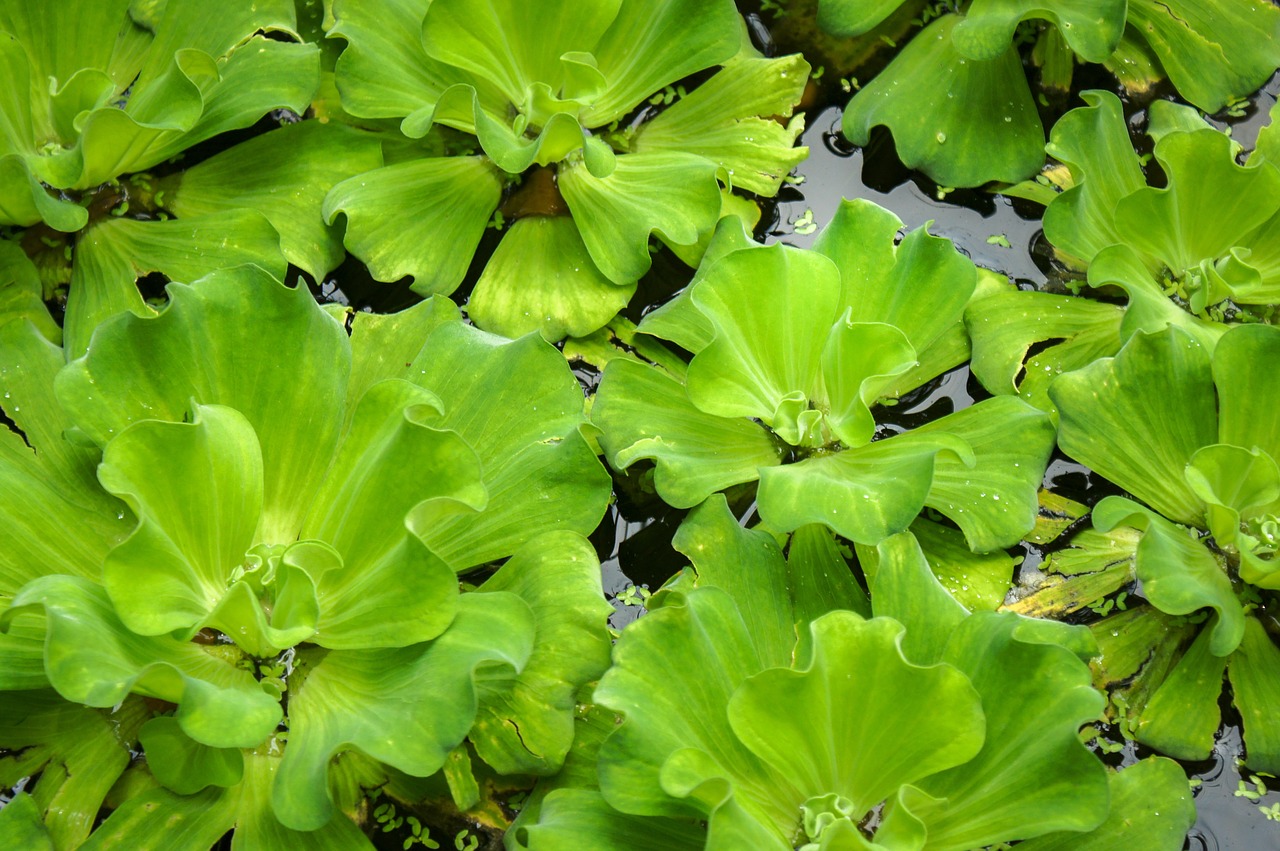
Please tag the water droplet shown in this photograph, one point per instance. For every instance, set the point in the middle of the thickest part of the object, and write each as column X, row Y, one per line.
column 941, row 137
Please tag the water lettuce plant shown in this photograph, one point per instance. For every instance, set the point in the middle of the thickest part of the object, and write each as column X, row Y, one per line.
column 104, row 98
column 1198, row 252
column 755, row 712
column 1193, row 435
column 249, row 561
column 957, row 99
column 570, row 129
column 791, row 350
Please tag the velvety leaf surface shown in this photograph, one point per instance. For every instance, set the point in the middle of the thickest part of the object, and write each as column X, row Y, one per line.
column 526, row 428
column 819, row 578
column 1255, row 672
column 580, row 818
column 92, row 658
column 646, row 414
column 185, row 765
column 1138, row 418
column 961, row 121
column 904, row 588
column 407, row 707
column 525, row 722
column 541, row 278
column 1150, row 808
column 422, row 218
column 1246, row 382
column 1092, row 29
column 1182, row 715
column 854, row 17
column 672, row 192
column 213, row 341
column 21, row 827
column 284, row 175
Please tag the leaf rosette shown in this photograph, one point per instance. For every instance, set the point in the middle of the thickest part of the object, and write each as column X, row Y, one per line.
column 101, row 104
column 957, row 98
column 1198, row 254
column 290, row 509
column 791, row 350
column 549, row 100
column 753, row 715
column 1193, row 435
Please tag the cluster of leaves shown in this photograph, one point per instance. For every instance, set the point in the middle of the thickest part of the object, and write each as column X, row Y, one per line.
column 278, row 569
column 957, row 99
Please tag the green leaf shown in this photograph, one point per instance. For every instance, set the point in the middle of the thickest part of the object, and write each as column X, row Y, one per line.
column 580, row 818
column 284, row 175
column 196, row 489
column 1182, row 716
column 527, row 430
column 644, row 413
column 1032, row 775
column 184, row 765
column 770, row 310
column 674, row 193
column 1138, row 418
column 541, row 278
column 422, row 218
column 113, row 254
column 1255, row 674
column 1211, row 50
column 728, row 120
column 865, row 494
column 1234, row 483
column 990, row 491
column 1005, row 327
column 826, row 729
column 21, row 827
column 1151, row 807
column 525, row 722
column 1179, row 575
column 1092, row 29
column 962, row 121
column 854, row 17
column 1093, row 141
column 412, row 704
column 819, row 579
column 651, row 45
column 78, row 753
column 1245, row 383
column 92, row 658
column 905, row 588
column 206, row 335
column 920, row 285
column 978, row 581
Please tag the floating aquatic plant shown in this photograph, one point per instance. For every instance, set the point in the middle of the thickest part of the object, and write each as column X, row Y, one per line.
column 574, row 114
column 957, row 98
column 271, row 550
column 791, row 351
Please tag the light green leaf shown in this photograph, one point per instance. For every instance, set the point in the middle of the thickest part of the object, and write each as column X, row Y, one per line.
column 1179, row 575
column 580, row 818
column 196, row 489
column 674, row 193
column 729, row 120
column 92, row 658
column 1151, row 807
column 854, row 17
column 1137, row 418
column 21, row 827
column 1092, row 29
column 1182, row 715
column 1255, row 680
column 818, row 577
column 541, row 278
column 1032, row 775
column 78, row 753
column 384, row 345
column 770, row 310
column 978, row 581
column 422, row 218
column 962, row 121
column 205, row 338
column 284, row 175
column 1211, row 50
column 651, row 45
column 184, row 765
column 412, row 704
column 1093, row 141
column 525, row 722
column 905, row 588
column 527, row 431
column 828, row 729
column 1234, row 483
column 992, row 493
column 644, row 413
column 1245, row 382
column 865, row 494
column 859, row 361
